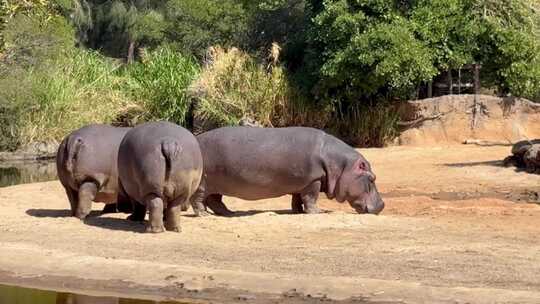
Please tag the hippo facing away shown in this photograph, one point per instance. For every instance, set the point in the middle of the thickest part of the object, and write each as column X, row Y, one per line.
column 87, row 168
column 259, row 163
column 160, row 165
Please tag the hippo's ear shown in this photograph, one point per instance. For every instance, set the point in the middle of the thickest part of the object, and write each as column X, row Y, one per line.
column 360, row 166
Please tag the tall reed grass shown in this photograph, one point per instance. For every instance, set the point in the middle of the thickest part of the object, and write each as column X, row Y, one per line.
column 161, row 81
column 48, row 101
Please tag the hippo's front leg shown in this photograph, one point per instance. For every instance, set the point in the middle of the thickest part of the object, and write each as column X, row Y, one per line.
column 155, row 221
column 309, row 197
column 296, row 203
column 215, row 203
column 87, row 193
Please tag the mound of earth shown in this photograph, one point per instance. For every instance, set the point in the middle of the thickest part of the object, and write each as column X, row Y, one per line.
column 454, row 119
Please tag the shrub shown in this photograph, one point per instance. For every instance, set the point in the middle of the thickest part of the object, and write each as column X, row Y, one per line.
column 367, row 125
column 233, row 86
column 160, row 81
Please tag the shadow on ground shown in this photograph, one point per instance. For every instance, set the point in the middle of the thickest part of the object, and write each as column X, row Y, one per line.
column 494, row 163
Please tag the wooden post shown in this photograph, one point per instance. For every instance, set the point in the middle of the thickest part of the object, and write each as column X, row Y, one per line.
column 430, row 89
column 449, row 82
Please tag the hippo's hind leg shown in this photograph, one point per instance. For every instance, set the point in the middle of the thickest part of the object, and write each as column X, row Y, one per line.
column 87, row 193
column 155, row 221
column 73, row 197
column 309, row 197
column 172, row 214
column 215, row 203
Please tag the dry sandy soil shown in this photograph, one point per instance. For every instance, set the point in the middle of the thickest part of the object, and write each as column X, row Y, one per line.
column 457, row 228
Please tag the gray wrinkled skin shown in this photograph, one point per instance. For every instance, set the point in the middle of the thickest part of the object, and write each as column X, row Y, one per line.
column 259, row 163
column 160, row 166
column 87, row 167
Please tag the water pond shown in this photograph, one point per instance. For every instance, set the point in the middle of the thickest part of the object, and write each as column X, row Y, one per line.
column 26, row 172
column 21, row 295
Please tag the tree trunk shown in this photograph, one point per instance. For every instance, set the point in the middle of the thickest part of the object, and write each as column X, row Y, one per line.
column 131, row 52
column 450, row 82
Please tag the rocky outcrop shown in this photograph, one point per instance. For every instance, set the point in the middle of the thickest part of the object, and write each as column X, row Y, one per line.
column 455, row 119
column 34, row 151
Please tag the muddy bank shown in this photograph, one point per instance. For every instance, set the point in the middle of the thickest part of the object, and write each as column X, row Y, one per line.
column 421, row 249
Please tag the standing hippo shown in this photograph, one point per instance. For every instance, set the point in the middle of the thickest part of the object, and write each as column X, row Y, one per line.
column 259, row 163
column 160, row 166
column 87, row 168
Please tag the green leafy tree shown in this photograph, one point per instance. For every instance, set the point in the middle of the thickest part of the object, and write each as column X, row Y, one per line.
column 195, row 25
column 360, row 50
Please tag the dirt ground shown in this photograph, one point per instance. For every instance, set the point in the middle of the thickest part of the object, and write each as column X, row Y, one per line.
column 458, row 227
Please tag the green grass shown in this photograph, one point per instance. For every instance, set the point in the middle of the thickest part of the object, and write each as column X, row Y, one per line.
column 161, row 81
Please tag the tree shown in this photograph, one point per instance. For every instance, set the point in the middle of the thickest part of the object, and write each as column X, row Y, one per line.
column 362, row 50
column 194, row 25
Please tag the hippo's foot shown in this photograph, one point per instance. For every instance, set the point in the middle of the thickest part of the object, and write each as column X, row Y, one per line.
column 173, row 228
column 312, row 210
column 201, row 213
column 154, row 229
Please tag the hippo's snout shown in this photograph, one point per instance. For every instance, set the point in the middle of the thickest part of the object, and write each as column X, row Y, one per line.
column 375, row 208
column 371, row 203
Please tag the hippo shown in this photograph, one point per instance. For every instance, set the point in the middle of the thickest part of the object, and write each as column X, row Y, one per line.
column 532, row 159
column 259, row 163
column 86, row 162
column 160, row 167
column 519, row 150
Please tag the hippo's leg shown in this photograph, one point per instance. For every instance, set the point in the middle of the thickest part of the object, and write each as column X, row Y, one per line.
column 87, row 193
column 296, row 203
column 173, row 214
column 184, row 207
column 197, row 202
column 73, row 197
column 139, row 212
column 215, row 203
column 309, row 197
column 109, row 208
column 123, row 204
column 155, row 221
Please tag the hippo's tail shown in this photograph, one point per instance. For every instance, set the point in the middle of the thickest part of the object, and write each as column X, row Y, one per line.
column 170, row 150
column 73, row 147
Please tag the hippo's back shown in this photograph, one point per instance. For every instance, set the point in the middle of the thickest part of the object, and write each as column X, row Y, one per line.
column 255, row 163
